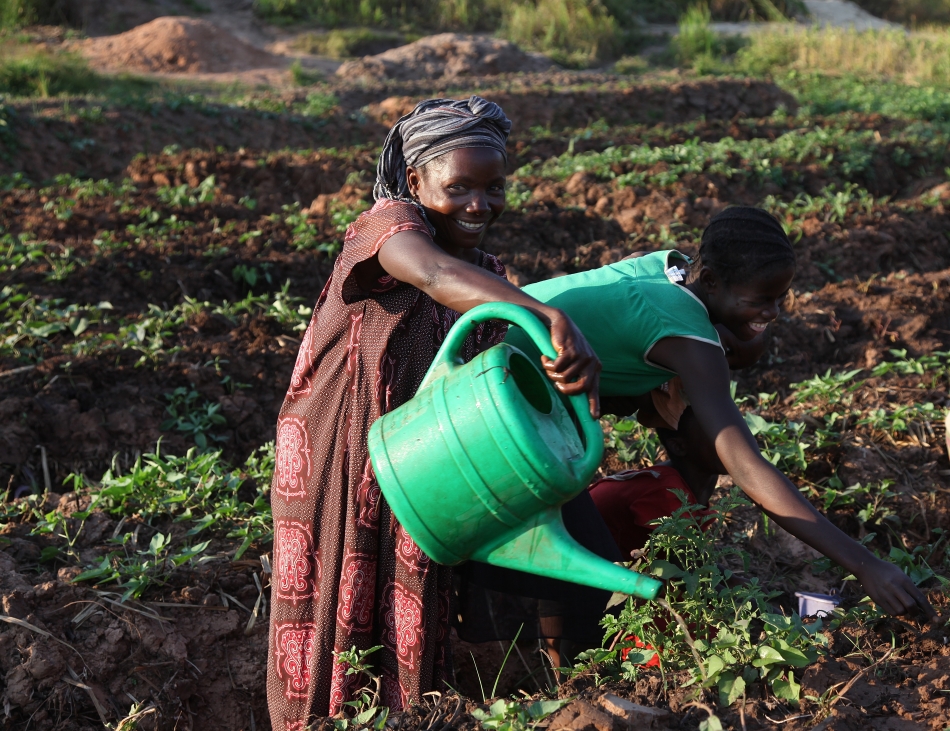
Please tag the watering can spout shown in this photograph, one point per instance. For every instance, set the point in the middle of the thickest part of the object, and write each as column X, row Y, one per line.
column 544, row 547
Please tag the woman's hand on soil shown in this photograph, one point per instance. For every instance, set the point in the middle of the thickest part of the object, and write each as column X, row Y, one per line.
column 893, row 590
column 577, row 367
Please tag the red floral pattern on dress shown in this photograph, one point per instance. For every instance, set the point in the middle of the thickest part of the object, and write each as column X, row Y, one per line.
column 443, row 318
column 353, row 343
column 300, row 380
column 409, row 553
column 342, row 686
column 402, row 624
column 292, row 466
column 290, row 725
column 367, row 497
column 294, row 643
column 384, row 381
column 394, row 694
column 357, row 592
column 296, row 563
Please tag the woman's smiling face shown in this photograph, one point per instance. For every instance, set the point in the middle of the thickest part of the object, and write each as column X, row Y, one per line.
column 747, row 308
column 463, row 193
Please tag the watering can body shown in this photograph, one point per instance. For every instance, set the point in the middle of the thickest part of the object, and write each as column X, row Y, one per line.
column 477, row 464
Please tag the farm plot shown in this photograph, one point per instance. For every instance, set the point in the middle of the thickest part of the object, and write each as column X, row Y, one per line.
column 151, row 314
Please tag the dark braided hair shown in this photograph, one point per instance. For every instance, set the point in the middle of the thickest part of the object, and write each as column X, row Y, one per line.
column 742, row 242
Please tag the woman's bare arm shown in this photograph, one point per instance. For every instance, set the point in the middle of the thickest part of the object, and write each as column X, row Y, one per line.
column 706, row 380
column 413, row 258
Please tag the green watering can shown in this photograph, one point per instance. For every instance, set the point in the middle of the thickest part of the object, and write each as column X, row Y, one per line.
column 479, row 462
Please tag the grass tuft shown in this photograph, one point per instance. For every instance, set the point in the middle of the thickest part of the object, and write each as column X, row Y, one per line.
column 433, row 14
column 574, row 33
column 922, row 57
column 37, row 73
column 350, row 42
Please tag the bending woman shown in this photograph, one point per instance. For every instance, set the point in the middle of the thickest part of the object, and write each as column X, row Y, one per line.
column 652, row 317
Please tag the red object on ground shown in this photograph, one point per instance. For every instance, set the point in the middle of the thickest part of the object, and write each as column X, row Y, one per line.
column 629, row 501
column 653, row 662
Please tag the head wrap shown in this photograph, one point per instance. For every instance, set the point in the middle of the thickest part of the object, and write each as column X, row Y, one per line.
column 433, row 128
column 744, row 239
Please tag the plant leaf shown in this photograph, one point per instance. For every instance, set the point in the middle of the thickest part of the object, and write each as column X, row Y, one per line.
column 731, row 689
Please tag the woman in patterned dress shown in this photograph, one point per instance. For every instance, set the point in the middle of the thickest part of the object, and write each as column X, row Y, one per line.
column 345, row 573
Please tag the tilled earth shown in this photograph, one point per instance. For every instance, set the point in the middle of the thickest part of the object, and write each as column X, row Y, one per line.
column 872, row 280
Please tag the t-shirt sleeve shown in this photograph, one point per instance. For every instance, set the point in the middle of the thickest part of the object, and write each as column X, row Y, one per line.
column 365, row 237
column 676, row 312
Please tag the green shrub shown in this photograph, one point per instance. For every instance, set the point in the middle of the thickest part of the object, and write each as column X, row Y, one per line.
column 432, row 14
column 723, row 632
column 572, row 32
column 42, row 74
column 695, row 37
column 629, row 12
column 349, row 42
column 922, row 57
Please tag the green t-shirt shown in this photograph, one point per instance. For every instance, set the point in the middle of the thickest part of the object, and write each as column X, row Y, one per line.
column 623, row 309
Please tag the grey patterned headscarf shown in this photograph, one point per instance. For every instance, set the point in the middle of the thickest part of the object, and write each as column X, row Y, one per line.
column 433, row 128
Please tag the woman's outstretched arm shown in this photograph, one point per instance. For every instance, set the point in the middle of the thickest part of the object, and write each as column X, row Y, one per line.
column 706, row 380
column 413, row 258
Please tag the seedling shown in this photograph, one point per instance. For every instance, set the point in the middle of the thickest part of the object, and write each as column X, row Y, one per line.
column 724, row 650
column 193, row 416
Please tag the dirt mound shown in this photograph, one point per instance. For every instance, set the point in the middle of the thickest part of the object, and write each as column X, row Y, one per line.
column 447, row 55
column 176, row 45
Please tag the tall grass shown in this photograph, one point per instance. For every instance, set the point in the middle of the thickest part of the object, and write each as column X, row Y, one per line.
column 35, row 73
column 350, row 42
column 493, row 14
column 572, row 32
column 922, row 57
column 430, row 14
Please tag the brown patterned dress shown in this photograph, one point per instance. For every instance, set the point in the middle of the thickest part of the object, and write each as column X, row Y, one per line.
column 345, row 573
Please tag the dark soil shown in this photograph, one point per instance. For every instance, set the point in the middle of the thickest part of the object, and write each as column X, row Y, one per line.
column 873, row 282
column 88, row 140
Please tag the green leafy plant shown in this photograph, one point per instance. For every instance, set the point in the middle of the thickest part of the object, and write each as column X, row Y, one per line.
column 194, row 416
column 512, row 715
column 198, row 488
column 366, row 713
column 137, row 570
column 184, row 196
column 721, row 631
column 634, row 442
column 781, row 443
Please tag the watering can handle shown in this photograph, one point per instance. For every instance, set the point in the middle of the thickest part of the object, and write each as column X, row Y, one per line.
column 449, row 358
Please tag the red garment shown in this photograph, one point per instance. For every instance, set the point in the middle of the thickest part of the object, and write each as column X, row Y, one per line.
column 629, row 501
column 653, row 662
column 345, row 572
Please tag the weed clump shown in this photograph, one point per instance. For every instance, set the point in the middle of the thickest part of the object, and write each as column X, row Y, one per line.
column 922, row 57
column 42, row 74
column 572, row 32
column 343, row 43
column 722, row 631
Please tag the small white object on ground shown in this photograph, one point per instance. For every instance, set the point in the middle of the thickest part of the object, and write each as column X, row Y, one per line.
column 816, row 605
